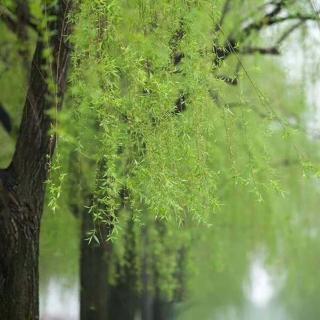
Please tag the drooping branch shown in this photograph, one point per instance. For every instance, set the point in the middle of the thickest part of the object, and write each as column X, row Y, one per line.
column 225, row 10
column 176, row 54
column 35, row 146
column 221, row 103
column 20, row 23
column 227, row 79
column 22, row 18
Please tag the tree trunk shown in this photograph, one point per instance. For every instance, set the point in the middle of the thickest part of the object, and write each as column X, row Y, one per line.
column 19, row 248
column 100, row 300
column 93, row 275
column 22, row 185
column 122, row 302
column 147, row 299
column 162, row 308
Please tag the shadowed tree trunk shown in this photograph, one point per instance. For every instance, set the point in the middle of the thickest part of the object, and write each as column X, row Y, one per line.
column 123, row 296
column 122, row 302
column 103, row 301
column 93, row 274
column 100, row 300
column 162, row 309
column 22, row 184
column 93, row 256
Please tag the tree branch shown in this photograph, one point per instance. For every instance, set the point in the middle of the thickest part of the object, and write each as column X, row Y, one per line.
column 265, row 20
column 231, row 45
column 268, row 21
column 12, row 21
column 287, row 33
column 265, row 51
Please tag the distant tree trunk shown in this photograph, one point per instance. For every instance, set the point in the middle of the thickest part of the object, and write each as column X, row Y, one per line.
column 147, row 301
column 93, row 275
column 22, row 184
column 154, row 306
column 123, row 296
column 162, row 309
column 100, row 300
column 122, row 302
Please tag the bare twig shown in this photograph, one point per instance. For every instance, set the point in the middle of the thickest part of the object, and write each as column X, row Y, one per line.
column 267, row 51
column 287, row 33
column 225, row 10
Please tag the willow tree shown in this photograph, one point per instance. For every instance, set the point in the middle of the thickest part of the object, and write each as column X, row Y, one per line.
column 146, row 148
column 155, row 74
column 145, row 119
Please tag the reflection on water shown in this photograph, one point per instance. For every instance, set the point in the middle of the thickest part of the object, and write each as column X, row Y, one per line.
column 59, row 301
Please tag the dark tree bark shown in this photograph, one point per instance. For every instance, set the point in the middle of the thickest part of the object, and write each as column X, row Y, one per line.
column 22, row 184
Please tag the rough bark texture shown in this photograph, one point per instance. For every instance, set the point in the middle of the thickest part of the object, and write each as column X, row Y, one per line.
column 22, row 184
column 19, row 242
